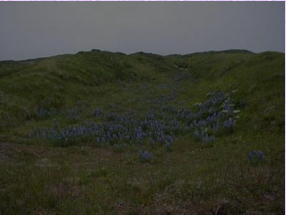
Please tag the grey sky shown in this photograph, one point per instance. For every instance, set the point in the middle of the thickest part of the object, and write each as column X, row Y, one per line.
column 39, row 29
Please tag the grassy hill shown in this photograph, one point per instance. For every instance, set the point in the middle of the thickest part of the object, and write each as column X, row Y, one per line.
column 109, row 133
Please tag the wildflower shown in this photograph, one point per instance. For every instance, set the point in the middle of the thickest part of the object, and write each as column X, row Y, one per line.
column 234, row 91
column 145, row 156
column 236, row 111
column 255, row 155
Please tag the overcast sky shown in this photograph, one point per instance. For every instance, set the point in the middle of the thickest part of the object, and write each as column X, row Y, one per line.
column 40, row 29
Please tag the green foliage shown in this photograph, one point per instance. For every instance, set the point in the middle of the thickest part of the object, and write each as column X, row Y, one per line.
column 192, row 178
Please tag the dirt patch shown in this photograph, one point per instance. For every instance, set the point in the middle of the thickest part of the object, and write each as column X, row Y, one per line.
column 12, row 151
column 9, row 151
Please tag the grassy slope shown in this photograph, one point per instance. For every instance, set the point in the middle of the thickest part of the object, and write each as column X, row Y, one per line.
column 192, row 179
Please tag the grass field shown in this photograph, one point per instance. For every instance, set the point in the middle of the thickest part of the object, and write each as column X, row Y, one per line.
column 109, row 133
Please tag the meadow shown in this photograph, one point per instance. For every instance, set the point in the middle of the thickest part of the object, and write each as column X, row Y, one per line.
column 109, row 133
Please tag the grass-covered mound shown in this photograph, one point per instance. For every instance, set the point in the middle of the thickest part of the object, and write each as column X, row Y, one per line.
column 109, row 133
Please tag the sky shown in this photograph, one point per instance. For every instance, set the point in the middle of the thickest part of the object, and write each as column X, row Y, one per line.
column 41, row 29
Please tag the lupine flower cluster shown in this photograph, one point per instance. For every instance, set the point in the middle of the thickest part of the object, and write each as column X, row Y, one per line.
column 165, row 120
column 208, row 139
column 145, row 156
column 43, row 112
column 71, row 113
column 97, row 112
column 255, row 155
column 156, row 126
column 214, row 117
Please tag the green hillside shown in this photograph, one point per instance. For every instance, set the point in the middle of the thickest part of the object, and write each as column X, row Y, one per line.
column 109, row 133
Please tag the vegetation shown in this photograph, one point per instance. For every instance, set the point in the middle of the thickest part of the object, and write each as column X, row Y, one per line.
column 110, row 133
